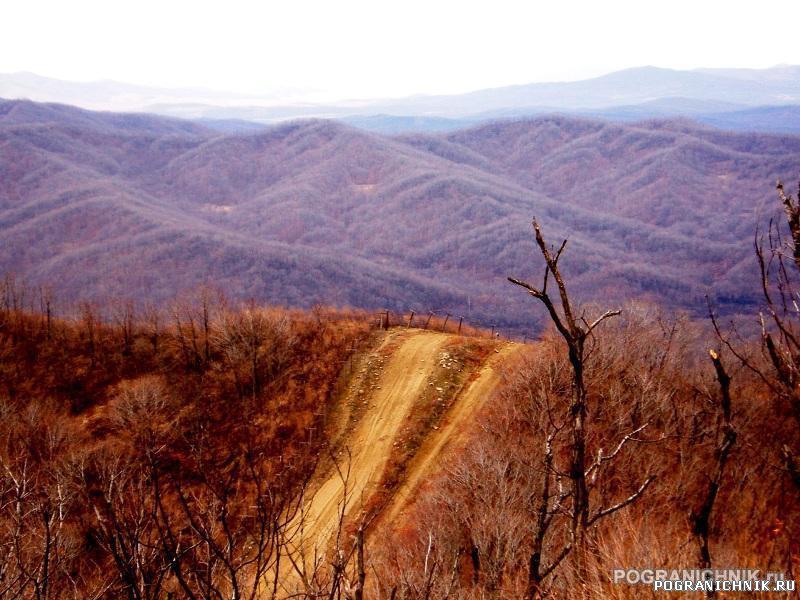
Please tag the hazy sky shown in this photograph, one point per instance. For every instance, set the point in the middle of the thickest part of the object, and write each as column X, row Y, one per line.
column 354, row 48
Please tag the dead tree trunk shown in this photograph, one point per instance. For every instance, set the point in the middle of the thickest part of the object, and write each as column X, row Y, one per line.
column 544, row 517
column 726, row 439
column 361, row 571
column 779, row 319
column 792, row 211
column 575, row 330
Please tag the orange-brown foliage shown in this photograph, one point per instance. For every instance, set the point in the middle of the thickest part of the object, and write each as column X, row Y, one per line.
column 117, row 432
column 471, row 532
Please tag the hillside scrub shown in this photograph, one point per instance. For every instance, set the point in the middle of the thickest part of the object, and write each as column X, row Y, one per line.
column 167, row 453
column 652, row 441
column 156, row 473
column 500, row 506
column 158, row 455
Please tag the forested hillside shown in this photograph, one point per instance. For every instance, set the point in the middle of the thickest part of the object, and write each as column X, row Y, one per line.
column 96, row 205
column 203, row 449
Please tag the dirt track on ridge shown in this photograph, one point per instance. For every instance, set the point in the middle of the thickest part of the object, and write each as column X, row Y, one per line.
column 455, row 422
column 399, row 386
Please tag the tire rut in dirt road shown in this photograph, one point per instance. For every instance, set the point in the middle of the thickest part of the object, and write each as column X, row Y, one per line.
column 455, row 423
column 401, row 383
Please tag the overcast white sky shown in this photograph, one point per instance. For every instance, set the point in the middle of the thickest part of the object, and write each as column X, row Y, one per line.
column 355, row 48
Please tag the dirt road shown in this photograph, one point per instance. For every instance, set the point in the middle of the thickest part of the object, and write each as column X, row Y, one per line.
column 456, row 421
column 399, row 385
column 405, row 376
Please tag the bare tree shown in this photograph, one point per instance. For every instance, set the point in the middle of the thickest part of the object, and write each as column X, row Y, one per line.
column 124, row 524
column 321, row 567
column 779, row 265
column 124, row 317
column 36, row 503
column 255, row 346
column 726, row 438
column 576, row 330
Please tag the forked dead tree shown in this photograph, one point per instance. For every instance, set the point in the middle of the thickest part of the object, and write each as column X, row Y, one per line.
column 779, row 266
column 576, row 330
column 782, row 340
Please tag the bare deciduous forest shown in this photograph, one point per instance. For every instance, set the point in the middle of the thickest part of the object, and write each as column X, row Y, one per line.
column 172, row 452
column 315, row 212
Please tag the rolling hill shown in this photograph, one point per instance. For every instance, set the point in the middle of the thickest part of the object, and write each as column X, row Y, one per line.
column 101, row 204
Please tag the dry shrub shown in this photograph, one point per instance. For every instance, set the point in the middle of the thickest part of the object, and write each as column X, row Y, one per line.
column 136, row 444
column 477, row 521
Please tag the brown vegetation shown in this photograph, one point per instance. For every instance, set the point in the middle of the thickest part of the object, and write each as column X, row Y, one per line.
column 98, row 205
column 620, row 446
column 499, row 516
column 160, row 456
column 155, row 454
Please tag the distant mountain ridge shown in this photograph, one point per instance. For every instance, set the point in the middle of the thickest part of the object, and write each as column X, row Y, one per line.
column 114, row 95
column 638, row 93
column 98, row 204
column 630, row 86
column 721, row 115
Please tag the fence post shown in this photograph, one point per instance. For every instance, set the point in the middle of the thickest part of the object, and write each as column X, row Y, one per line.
column 460, row 320
column 387, row 320
column 410, row 319
column 444, row 327
column 428, row 322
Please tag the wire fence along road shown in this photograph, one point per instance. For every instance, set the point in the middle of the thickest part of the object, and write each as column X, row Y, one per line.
column 438, row 321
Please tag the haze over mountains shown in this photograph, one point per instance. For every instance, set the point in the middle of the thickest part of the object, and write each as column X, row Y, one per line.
column 138, row 206
column 740, row 99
